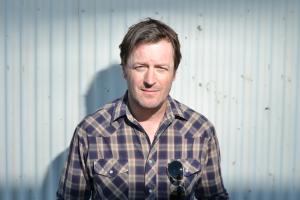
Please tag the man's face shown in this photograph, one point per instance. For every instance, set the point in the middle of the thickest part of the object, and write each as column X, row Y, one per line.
column 149, row 73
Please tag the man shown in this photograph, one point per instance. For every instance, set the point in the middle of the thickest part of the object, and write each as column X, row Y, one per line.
column 145, row 145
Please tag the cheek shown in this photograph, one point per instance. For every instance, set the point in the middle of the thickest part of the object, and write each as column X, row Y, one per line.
column 168, row 83
column 132, row 82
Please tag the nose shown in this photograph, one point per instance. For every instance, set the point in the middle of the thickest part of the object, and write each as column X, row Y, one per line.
column 149, row 78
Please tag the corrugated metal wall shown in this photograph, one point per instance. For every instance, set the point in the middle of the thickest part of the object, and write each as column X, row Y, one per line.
column 240, row 68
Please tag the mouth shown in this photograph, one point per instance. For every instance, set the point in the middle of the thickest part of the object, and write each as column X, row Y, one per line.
column 149, row 91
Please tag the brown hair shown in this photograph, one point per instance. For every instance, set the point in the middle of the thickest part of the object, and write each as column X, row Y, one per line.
column 149, row 31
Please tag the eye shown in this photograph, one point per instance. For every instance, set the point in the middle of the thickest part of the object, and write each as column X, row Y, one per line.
column 162, row 68
column 139, row 67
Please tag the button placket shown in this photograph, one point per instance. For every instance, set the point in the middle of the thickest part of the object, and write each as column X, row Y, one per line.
column 151, row 162
column 151, row 189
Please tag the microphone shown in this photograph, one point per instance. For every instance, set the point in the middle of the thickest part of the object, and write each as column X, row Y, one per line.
column 175, row 174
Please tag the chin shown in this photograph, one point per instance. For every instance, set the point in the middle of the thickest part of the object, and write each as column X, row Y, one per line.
column 150, row 105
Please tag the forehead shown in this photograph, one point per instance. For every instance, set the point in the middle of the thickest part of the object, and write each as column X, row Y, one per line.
column 161, row 50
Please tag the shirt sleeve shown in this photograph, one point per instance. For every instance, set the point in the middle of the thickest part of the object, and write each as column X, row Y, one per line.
column 74, row 181
column 211, row 183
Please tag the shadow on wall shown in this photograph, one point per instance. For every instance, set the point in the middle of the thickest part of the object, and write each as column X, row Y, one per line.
column 106, row 86
column 50, row 182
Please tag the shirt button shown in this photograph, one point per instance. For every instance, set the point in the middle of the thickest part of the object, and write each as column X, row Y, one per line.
column 111, row 171
column 151, row 162
column 150, row 190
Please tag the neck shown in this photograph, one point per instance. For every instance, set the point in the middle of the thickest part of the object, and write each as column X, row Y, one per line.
column 142, row 114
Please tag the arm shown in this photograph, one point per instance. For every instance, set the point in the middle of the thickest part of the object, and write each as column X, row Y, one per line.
column 75, row 181
column 211, row 183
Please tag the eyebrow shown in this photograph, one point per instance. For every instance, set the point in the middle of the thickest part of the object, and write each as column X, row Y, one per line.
column 157, row 65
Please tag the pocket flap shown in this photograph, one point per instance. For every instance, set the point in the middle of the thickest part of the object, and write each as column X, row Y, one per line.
column 110, row 167
column 190, row 166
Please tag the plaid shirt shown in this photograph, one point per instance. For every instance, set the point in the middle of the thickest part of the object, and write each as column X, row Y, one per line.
column 111, row 156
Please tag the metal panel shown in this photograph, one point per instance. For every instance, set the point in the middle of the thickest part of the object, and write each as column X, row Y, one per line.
column 240, row 68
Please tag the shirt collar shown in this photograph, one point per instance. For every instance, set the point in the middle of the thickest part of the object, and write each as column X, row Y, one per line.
column 173, row 111
column 120, row 108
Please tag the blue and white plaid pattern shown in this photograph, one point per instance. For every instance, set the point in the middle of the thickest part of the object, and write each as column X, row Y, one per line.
column 111, row 157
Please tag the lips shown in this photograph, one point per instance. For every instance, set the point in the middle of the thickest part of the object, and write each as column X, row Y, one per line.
column 149, row 91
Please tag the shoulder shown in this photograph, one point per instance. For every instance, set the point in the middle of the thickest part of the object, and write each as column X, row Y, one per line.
column 196, row 123
column 99, row 122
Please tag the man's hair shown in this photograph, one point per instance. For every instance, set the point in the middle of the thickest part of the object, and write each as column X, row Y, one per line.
column 149, row 31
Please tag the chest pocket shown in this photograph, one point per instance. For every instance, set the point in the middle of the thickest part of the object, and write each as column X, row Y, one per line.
column 191, row 169
column 111, row 178
column 110, row 167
